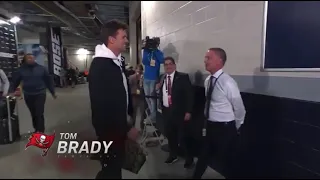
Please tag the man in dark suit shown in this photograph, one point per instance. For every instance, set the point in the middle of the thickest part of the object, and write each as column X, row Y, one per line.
column 110, row 98
column 176, row 98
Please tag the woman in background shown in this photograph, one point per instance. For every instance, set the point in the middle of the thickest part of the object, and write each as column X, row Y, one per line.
column 138, row 101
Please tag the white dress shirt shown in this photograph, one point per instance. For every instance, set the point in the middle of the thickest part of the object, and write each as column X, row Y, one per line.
column 164, row 91
column 226, row 102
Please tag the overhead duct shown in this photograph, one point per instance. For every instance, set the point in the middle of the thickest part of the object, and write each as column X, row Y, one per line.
column 91, row 13
column 68, row 24
column 62, row 7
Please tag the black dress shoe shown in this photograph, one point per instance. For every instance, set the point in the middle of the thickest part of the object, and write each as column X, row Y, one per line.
column 189, row 164
column 171, row 159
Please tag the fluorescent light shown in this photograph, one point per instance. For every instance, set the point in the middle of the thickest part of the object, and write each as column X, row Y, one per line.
column 82, row 54
column 15, row 20
column 82, row 51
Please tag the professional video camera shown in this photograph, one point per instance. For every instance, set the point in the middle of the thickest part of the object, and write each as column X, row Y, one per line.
column 151, row 43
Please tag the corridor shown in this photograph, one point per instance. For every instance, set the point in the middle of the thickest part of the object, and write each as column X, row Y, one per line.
column 70, row 112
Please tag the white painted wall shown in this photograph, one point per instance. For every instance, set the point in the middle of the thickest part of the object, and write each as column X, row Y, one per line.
column 194, row 26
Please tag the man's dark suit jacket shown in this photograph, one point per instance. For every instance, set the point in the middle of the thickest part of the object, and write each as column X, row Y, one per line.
column 182, row 94
column 108, row 99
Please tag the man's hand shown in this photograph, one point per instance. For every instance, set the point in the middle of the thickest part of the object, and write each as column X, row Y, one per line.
column 54, row 96
column 133, row 134
column 187, row 116
column 158, row 86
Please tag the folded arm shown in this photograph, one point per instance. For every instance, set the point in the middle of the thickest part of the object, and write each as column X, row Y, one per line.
column 234, row 96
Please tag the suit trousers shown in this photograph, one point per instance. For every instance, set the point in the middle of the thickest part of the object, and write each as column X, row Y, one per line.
column 178, row 133
column 112, row 162
column 218, row 148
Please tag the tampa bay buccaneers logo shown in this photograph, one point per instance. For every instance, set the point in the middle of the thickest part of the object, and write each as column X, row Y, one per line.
column 42, row 141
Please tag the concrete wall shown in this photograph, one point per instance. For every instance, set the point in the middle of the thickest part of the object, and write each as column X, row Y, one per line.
column 134, row 13
column 188, row 28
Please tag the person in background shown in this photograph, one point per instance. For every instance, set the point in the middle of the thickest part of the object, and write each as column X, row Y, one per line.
column 72, row 76
column 110, row 98
column 63, row 78
column 176, row 95
column 136, row 84
column 224, row 114
column 152, row 59
column 35, row 80
column 77, row 74
column 77, row 71
column 130, row 71
column 4, row 84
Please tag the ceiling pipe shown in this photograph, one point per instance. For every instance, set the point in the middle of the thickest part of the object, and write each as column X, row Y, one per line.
column 46, row 15
column 68, row 24
column 92, row 14
column 71, row 14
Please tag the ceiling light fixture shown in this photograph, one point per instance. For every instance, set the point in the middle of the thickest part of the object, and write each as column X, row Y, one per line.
column 15, row 20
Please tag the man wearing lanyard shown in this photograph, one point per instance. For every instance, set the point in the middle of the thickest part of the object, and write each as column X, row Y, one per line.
column 176, row 97
column 224, row 114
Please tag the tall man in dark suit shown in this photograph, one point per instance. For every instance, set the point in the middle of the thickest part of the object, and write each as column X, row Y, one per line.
column 110, row 98
column 177, row 101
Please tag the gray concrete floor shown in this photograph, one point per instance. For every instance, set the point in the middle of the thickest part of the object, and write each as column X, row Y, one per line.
column 71, row 113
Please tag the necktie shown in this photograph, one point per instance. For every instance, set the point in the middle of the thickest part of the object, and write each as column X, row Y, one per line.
column 208, row 97
column 169, row 90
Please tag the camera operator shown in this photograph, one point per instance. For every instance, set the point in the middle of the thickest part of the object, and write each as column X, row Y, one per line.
column 152, row 58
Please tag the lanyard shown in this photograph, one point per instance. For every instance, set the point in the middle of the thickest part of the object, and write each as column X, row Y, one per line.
column 207, row 105
column 151, row 55
column 214, row 84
